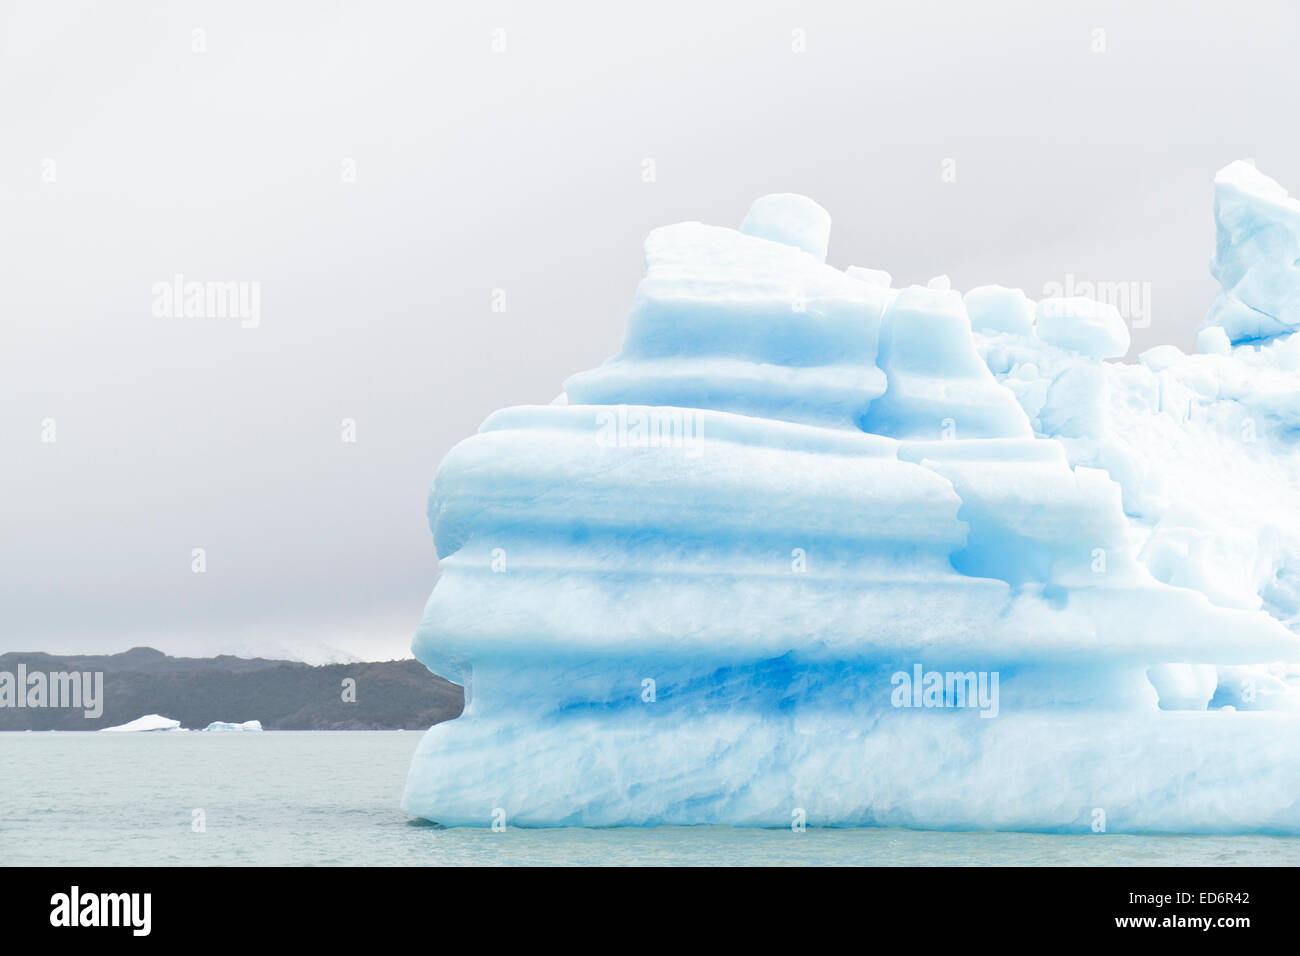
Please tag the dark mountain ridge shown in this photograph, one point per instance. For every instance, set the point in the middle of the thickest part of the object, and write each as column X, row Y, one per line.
column 283, row 695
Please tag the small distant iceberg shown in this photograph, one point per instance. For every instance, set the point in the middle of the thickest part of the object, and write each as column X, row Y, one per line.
column 222, row 726
column 146, row 723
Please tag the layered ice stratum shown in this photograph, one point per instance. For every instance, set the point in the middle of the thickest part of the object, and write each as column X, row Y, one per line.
column 815, row 549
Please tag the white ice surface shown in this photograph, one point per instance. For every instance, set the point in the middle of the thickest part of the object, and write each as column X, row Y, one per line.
column 148, row 722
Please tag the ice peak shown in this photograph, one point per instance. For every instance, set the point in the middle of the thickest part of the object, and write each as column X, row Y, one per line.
column 1244, row 175
column 790, row 219
column 1256, row 257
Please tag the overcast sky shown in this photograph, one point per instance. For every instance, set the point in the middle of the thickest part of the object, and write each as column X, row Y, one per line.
column 378, row 169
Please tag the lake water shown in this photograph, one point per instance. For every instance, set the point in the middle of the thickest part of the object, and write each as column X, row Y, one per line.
column 332, row 798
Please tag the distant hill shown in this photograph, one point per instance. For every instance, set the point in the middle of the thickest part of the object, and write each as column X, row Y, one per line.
column 283, row 695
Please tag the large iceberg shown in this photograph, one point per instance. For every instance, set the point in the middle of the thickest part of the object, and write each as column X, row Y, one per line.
column 811, row 549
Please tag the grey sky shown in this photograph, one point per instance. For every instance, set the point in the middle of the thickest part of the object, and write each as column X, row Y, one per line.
column 522, row 171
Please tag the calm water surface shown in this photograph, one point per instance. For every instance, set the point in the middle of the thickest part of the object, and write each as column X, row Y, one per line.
column 332, row 798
